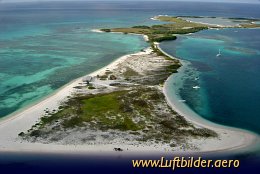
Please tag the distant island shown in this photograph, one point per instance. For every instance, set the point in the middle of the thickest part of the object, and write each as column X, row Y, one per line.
column 182, row 25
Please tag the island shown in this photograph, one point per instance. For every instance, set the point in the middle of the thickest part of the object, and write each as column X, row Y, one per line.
column 182, row 25
column 124, row 106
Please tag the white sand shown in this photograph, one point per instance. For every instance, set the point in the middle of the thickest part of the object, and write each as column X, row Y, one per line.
column 97, row 31
column 145, row 37
column 12, row 125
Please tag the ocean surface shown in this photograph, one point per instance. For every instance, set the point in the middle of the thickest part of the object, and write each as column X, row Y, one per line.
column 229, row 84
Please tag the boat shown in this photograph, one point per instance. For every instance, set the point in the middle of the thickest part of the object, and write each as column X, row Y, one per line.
column 182, row 101
column 219, row 54
column 196, row 87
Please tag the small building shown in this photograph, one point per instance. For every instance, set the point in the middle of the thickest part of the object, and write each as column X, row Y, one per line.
column 87, row 79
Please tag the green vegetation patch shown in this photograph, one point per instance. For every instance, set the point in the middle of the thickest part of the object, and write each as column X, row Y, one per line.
column 104, row 111
column 164, row 32
column 176, row 25
column 163, row 38
column 141, row 26
column 101, row 104
column 105, row 30
column 142, row 111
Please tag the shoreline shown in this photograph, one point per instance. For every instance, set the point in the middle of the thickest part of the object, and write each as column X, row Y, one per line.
column 145, row 37
column 23, row 120
column 12, row 126
column 250, row 140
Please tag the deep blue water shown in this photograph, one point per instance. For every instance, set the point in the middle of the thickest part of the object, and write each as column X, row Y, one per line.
column 230, row 84
column 45, row 45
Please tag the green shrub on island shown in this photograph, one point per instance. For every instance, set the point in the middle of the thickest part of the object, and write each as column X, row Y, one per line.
column 36, row 133
column 185, row 16
column 112, row 77
column 141, row 26
column 21, row 134
column 106, row 30
column 91, row 87
column 164, row 38
column 190, row 30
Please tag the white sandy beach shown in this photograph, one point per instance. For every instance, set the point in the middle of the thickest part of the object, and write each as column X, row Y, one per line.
column 145, row 37
column 11, row 126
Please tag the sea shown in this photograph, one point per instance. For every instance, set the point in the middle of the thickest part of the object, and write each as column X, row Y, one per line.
column 229, row 83
column 45, row 45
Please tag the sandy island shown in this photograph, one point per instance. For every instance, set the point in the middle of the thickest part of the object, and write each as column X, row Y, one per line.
column 229, row 139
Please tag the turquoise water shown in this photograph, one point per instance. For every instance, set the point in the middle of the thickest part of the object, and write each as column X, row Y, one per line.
column 32, row 67
column 39, row 54
column 230, row 83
